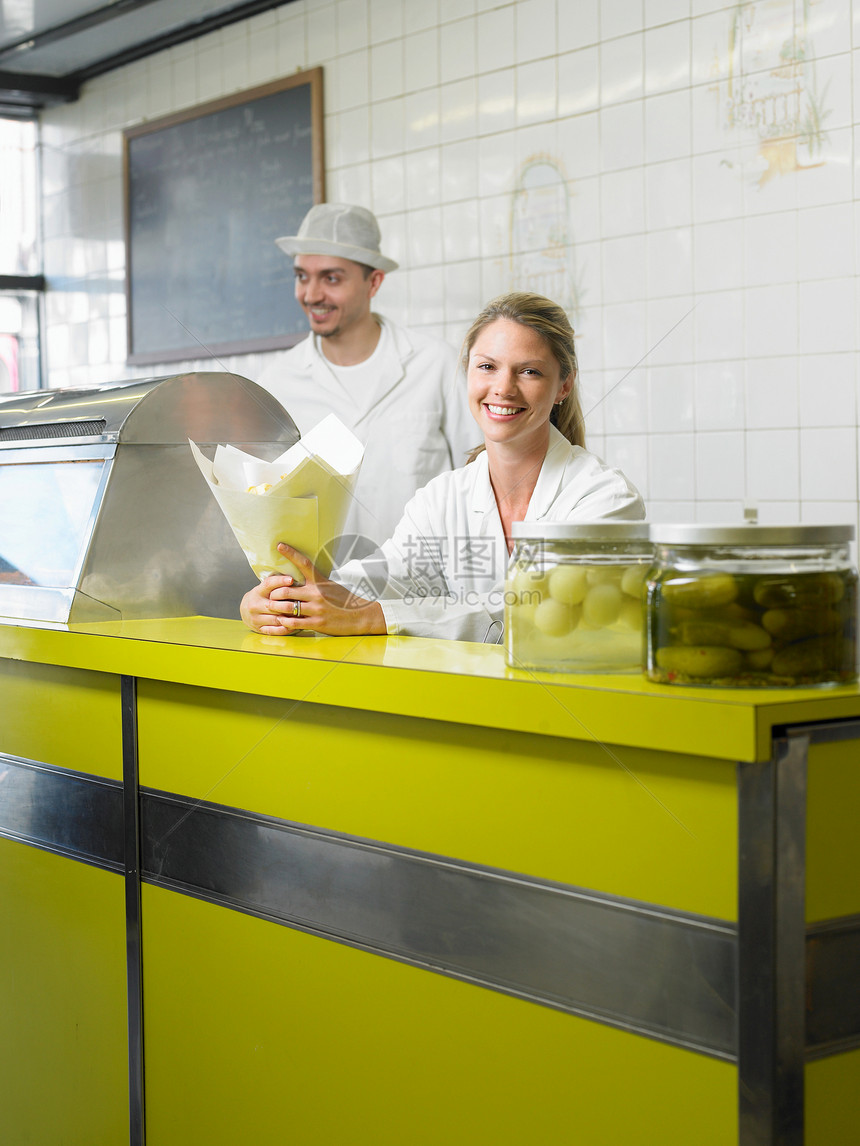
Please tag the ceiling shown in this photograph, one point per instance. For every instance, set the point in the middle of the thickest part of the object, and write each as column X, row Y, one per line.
column 49, row 48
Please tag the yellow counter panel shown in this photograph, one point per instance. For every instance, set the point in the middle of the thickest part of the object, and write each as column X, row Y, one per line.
column 387, row 890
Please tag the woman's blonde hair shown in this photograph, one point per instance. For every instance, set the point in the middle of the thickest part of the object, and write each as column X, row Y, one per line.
column 548, row 320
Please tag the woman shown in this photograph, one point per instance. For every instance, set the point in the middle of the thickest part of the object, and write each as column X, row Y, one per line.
column 442, row 573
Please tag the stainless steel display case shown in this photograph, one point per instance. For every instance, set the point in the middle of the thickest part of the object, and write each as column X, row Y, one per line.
column 103, row 511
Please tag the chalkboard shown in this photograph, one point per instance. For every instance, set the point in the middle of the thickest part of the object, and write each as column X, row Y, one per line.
column 207, row 192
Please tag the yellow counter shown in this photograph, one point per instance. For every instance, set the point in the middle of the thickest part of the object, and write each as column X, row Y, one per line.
column 382, row 889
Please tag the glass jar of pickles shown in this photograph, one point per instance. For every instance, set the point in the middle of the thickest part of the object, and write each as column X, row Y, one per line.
column 752, row 606
column 574, row 596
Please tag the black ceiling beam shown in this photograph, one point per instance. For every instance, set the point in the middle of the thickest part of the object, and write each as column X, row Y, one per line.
column 22, row 94
column 22, row 282
column 200, row 27
column 73, row 27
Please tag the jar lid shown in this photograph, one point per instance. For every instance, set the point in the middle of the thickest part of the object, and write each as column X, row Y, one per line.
column 580, row 530
column 757, row 535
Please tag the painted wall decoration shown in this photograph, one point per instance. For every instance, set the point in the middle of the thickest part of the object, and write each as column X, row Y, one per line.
column 772, row 93
column 542, row 251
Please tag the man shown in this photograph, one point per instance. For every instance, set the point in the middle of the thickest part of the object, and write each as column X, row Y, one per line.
column 398, row 390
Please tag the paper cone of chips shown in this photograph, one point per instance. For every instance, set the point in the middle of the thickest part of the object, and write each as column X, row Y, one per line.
column 301, row 498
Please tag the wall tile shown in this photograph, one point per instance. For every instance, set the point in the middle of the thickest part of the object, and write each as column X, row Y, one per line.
column 578, row 24
column 536, row 92
column 389, row 185
column 459, row 171
column 770, row 248
column 416, row 17
column 667, row 58
column 720, row 463
column 625, row 338
column 719, row 319
column 619, row 17
column 386, row 20
column 819, row 257
column 667, row 126
column 386, row 70
column 579, row 145
column 668, row 194
column 672, row 469
column 496, row 39
column 719, row 259
column 422, row 119
column 718, row 191
column 621, row 138
column 461, row 239
column 772, row 393
column 671, row 398
column 352, row 25
column 535, row 29
column 578, row 82
column 773, row 465
column 671, row 331
column 422, row 170
column 387, row 127
column 828, row 316
column 828, row 464
column 421, row 60
column 497, row 101
column 719, row 390
column 457, row 50
column 624, row 269
column 458, row 110
column 629, row 453
column 622, row 202
column 665, row 11
column 669, row 255
column 621, row 68
column 770, row 314
column 828, row 390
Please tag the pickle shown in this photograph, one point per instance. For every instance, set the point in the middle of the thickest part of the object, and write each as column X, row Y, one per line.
column 556, row 619
column 734, row 634
column 604, row 574
column 809, row 657
column 759, row 660
column 700, row 592
column 530, row 585
column 568, row 584
column 700, row 660
column 797, row 624
column 804, row 591
column 633, row 579
column 602, row 605
column 631, row 615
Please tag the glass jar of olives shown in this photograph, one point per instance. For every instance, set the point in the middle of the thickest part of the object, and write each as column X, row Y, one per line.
column 574, row 596
column 751, row 606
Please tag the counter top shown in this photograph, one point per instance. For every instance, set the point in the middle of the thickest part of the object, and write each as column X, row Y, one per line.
column 433, row 679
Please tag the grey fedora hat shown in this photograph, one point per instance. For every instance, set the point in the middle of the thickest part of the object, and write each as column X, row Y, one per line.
column 342, row 230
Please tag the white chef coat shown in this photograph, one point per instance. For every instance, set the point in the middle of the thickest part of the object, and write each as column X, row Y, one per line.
column 414, row 423
column 442, row 572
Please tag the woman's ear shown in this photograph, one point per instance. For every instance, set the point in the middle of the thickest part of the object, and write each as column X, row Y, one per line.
column 565, row 389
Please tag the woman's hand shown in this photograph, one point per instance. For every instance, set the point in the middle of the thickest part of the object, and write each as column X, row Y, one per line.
column 279, row 606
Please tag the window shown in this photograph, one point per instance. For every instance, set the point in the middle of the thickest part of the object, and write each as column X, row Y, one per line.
column 21, row 283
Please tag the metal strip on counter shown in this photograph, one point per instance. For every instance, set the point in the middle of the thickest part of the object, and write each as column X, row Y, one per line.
column 633, row 965
column 134, row 954
column 771, row 945
column 62, row 811
column 832, row 960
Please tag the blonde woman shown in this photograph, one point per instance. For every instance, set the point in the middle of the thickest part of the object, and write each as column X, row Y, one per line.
column 442, row 572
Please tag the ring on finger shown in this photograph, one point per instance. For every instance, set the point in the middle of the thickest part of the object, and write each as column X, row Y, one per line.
column 297, row 608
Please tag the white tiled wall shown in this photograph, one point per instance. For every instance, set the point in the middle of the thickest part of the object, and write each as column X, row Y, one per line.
column 683, row 174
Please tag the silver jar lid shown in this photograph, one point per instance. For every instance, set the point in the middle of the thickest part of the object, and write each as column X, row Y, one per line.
column 581, row 531
column 760, row 536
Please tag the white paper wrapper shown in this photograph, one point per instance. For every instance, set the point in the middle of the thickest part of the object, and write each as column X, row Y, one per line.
column 306, row 507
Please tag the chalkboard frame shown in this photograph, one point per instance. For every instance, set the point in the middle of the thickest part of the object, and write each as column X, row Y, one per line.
column 313, row 79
